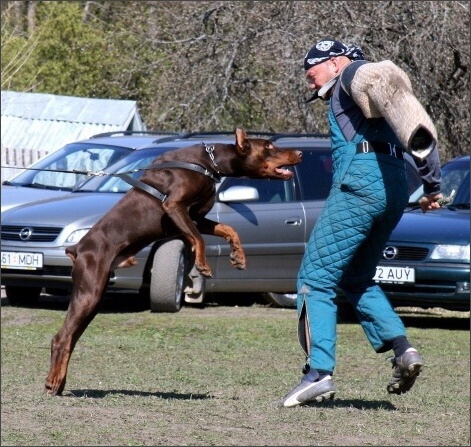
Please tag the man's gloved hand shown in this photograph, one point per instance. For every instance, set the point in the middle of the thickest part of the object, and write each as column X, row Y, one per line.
column 430, row 202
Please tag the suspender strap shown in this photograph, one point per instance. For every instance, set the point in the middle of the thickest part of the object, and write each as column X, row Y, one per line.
column 381, row 147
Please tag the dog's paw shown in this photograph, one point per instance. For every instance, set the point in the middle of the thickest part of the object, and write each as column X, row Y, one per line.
column 205, row 270
column 238, row 261
column 238, row 266
column 54, row 389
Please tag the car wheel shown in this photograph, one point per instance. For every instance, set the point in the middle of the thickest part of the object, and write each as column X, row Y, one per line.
column 22, row 296
column 167, row 277
column 281, row 299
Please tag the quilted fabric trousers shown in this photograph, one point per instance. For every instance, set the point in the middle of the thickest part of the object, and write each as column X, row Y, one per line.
column 367, row 199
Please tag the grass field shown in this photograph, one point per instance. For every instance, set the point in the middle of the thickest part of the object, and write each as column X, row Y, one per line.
column 212, row 377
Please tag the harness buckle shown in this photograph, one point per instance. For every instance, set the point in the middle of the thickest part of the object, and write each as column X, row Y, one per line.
column 365, row 147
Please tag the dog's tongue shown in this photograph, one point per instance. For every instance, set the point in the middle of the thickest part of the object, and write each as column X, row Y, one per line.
column 283, row 171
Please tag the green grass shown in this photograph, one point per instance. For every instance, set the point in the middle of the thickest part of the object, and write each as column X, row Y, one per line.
column 212, row 377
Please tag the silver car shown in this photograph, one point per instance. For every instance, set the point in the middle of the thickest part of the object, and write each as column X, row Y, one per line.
column 59, row 172
column 273, row 218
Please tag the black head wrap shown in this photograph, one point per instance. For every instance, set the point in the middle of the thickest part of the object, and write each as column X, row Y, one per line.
column 328, row 48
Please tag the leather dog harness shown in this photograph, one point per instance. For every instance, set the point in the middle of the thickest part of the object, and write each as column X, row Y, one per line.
column 214, row 176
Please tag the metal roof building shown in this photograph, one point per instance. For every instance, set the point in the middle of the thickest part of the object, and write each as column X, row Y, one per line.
column 35, row 124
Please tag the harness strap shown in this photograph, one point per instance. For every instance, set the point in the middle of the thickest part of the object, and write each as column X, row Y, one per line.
column 216, row 177
column 141, row 185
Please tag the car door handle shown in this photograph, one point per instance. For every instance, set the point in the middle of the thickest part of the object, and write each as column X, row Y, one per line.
column 293, row 221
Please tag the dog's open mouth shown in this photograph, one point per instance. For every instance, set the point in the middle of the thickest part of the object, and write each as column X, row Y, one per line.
column 283, row 172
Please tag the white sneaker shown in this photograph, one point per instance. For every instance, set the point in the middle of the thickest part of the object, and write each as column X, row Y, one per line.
column 308, row 391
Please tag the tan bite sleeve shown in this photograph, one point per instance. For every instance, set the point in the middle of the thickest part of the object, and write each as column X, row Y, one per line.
column 382, row 89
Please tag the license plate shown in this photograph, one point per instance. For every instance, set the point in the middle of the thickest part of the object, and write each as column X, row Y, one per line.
column 21, row 260
column 395, row 275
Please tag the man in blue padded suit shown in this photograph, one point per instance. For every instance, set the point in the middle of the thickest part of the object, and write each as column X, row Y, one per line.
column 374, row 118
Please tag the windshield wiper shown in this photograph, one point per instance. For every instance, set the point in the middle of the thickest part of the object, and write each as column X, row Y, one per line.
column 40, row 186
column 102, row 191
column 459, row 206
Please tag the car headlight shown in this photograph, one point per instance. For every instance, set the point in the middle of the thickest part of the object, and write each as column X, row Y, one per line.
column 76, row 235
column 451, row 252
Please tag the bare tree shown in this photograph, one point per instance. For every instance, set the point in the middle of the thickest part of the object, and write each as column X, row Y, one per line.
column 240, row 63
column 209, row 65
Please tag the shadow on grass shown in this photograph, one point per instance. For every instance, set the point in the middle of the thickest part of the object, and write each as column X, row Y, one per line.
column 128, row 303
column 432, row 318
column 100, row 394
column 121, row 302
column 431, row 322
column 359, row 404
column 113, row 303
column 436, row 322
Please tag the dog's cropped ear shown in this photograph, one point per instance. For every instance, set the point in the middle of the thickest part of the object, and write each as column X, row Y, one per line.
column 241, row 136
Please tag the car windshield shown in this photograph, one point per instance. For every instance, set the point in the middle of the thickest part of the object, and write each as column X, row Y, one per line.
column 134, row 164
column 455, row 184
column 49, row 172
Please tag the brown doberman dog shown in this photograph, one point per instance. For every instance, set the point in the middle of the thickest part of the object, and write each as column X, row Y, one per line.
column 185, row 178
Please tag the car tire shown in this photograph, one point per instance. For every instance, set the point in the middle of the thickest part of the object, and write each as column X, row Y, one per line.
column 22, row 296
column 281, row 299
column 168, row 277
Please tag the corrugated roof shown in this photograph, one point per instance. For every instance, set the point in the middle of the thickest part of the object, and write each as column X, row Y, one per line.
column 47, row 122
column 43, row 123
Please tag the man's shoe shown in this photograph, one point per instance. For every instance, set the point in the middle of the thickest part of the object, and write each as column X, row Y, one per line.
column 406, row 368
column 309, row 391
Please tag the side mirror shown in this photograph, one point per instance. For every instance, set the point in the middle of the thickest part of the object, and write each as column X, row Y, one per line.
column 239, row 194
